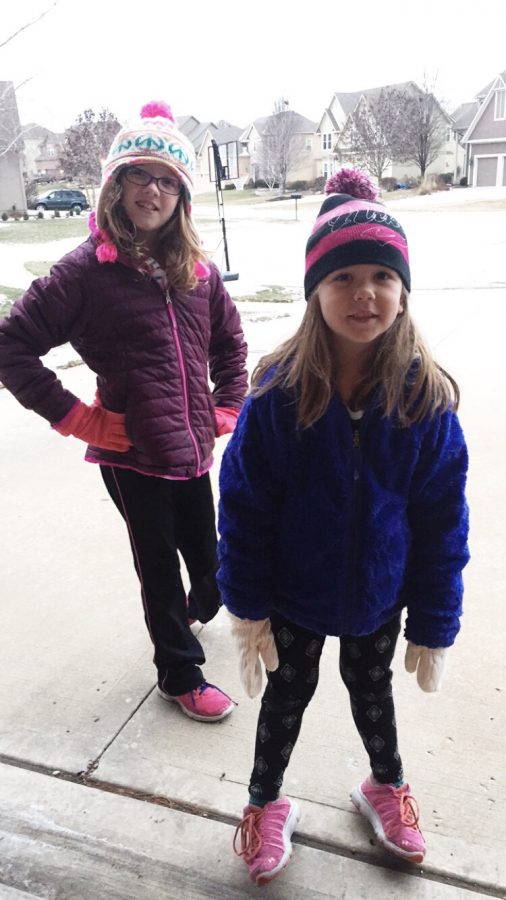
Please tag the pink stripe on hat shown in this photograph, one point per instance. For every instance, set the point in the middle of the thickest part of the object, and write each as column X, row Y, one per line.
column 343, row 209
column 378, row 233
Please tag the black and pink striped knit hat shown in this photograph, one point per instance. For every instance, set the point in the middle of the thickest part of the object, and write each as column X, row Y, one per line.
column 353, row 228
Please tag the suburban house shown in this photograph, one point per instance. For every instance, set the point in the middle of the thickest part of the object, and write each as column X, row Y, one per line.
column 201, row 135
column 42, row 151
column 462, row 118
column 251, row 148
column 485, row 138
column 335, row 149
column 474, row 146
column 256, row 136
column 12, row 189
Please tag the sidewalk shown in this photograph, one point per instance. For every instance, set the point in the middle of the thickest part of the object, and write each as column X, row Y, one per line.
column 109, row 793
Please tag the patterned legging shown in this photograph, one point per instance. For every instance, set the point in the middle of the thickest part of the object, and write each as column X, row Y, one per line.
column 364, row 664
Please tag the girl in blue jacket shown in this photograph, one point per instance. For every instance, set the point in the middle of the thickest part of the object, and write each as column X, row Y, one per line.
column 342, row 502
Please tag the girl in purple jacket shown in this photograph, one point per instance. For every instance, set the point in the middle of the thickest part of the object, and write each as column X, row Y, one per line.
column 342, row 501
column 151, row 317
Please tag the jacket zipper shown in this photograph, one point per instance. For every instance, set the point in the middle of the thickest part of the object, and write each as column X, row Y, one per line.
column 355, row 500
column 182, row 371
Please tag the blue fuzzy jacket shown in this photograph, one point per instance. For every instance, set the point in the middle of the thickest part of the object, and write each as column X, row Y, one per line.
column 339, row 533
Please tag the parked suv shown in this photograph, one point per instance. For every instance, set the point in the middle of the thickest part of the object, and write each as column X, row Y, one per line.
column 62, row 199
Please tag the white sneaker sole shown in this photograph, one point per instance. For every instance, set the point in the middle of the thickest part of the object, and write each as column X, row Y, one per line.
column 191, row 715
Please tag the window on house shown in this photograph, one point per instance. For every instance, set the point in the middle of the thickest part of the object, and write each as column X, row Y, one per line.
column 308, row 144
column 500, row 104
column 50, row 151
column 326, row 141
column 325, row 170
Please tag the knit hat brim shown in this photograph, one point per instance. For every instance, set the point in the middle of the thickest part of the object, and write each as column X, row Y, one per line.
column 353, row 228
column 332, row 254
column 104, row 199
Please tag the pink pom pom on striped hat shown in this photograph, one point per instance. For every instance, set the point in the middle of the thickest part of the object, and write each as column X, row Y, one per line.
column 353, row 228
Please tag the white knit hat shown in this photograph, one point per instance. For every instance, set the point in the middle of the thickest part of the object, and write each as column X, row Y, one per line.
column 155, row 138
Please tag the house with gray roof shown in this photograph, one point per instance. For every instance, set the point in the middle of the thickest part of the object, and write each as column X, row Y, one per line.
column 42, row 152
column 334, row 149
column 485, row 137
column 201, row 135
column 302, row 130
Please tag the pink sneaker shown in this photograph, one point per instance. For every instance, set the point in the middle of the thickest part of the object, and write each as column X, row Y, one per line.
column 393, row 813
column 206, row 703
column 265, row 838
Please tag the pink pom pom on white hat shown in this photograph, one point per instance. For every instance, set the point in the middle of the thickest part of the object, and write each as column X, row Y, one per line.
column 157, row 108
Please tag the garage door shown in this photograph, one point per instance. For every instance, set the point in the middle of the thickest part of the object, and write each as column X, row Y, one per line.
column 486, row 175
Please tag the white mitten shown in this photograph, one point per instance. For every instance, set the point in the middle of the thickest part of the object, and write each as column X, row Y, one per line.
column 428, row 664
column 254, row 640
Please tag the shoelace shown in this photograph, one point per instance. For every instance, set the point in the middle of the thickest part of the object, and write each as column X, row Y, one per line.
column 197, row 692
column 410, row 813
column 251, row 840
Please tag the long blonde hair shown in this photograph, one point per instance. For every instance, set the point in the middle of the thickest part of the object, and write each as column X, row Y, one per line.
column 178, row 242
column 411, row 384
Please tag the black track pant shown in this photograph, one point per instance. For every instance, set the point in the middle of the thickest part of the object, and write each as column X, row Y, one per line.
column 162, row 517
column 364, row 664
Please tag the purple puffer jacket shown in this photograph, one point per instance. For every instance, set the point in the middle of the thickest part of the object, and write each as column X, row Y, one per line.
column 152, row 355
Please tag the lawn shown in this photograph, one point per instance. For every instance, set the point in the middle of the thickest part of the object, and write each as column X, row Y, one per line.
column 236, row 198
column 39, row 231
column 7, row 296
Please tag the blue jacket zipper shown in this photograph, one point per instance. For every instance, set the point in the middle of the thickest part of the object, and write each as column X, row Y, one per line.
column 355, row 501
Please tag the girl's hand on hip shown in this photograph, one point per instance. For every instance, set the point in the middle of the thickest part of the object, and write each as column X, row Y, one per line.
column 97, row 426
column 428, row 664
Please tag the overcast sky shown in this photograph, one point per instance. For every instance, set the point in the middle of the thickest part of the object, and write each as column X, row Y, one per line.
column 232, row 60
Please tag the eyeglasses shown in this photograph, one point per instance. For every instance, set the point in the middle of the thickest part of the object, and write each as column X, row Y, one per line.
column 166, row 184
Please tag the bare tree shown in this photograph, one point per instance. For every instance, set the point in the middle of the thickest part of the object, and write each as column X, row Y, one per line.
column 268, row 160
column 86, row 145
column 10, row 131
column 425, row 127
column 27, row 25
column 402, row 126
column 281, row 147
column 373, row 134
column 364, row 140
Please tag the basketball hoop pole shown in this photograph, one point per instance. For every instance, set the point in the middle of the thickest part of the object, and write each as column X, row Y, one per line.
column 219, row 174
